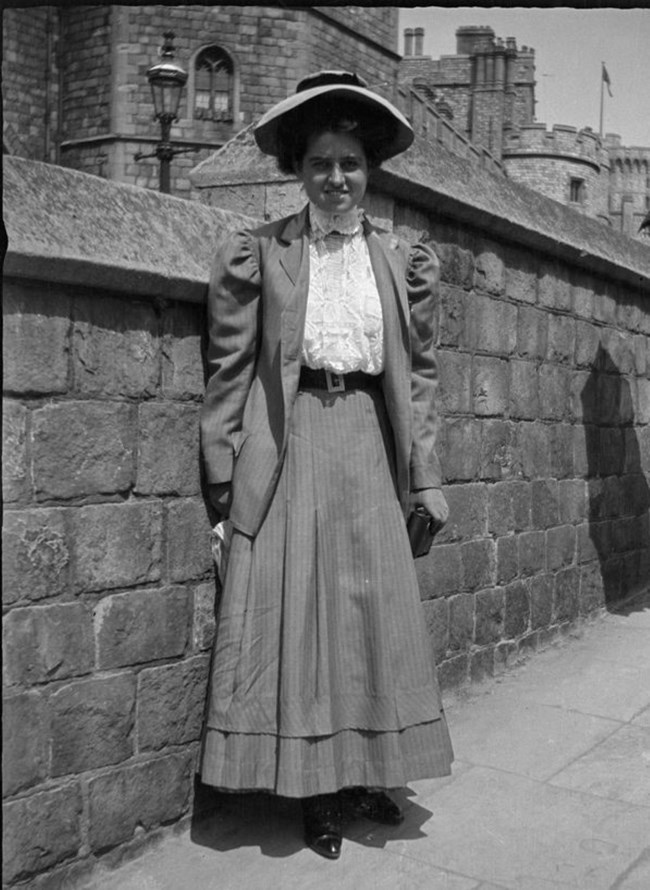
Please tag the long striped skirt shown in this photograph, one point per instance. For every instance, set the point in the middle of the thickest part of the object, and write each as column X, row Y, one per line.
column 323, row 673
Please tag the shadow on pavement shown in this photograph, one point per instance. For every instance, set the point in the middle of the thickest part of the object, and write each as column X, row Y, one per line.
column 223, row 822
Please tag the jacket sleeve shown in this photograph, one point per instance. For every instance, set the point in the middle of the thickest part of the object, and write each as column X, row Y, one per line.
column 233, row 318
column 422, row 282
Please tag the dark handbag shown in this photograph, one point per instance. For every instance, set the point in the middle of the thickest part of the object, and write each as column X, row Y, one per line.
column 422, row 529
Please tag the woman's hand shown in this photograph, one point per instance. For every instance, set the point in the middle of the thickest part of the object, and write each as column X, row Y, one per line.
column 433, row 501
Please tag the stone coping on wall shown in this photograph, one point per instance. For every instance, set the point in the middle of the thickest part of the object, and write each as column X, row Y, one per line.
column 73, row 228
column 431, row 177
column 70, row 227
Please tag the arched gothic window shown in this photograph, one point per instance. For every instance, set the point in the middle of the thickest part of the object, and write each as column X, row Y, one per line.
column 213, row 85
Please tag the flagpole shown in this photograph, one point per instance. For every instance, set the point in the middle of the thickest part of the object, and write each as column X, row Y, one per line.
column 602, row 93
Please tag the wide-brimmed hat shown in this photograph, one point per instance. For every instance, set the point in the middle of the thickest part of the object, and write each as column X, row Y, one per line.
column 336, row 85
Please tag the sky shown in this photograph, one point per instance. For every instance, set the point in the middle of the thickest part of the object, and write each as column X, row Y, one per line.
column 570, row 45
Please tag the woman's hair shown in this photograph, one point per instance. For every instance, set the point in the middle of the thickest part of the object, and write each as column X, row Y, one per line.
column 297, row 129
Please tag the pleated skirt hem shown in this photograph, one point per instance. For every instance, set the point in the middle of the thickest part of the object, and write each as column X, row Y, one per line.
column 301, row 767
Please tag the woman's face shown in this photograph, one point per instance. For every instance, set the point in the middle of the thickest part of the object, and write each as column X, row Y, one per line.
column 334, row 172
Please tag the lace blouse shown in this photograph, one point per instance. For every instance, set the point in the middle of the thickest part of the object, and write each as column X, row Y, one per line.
column 344, row 327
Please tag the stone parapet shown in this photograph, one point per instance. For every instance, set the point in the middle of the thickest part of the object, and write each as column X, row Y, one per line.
column 561, row 141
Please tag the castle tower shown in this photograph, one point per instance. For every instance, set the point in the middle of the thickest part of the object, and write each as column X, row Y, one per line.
column 569, row 165
column 629, row 185
column 488, row 85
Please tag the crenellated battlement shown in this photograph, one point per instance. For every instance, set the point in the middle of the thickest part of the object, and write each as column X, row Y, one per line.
column 561, row 140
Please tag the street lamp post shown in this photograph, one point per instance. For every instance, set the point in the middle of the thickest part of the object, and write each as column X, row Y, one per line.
column 166, row 80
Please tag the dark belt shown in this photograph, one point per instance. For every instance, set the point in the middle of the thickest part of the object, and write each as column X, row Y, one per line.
column 311, row 378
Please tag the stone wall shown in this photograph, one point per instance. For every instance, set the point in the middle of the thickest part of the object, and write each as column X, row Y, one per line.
column 543, row 331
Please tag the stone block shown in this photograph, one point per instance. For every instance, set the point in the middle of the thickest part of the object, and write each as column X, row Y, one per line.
column 586, row 344
column 141, row 625
column 500, row 508
column 523, row 396
column 560, row 547
column 535, row 450
column 492, row 326
column 206, row 598
column 489, row 273
column 579, row 386
column 36, row 558
column 517, row 609
column 171, row 702
column 453, row 672
column 567, row 594
column 605, row 302
column 554, row 392
column 592, row 589
column 452, row 316
column 182, row 363
column 467, row 512
column 168, row 449
column 116, row 348
column 546, row 510
column 40, row 831
column 461, row 621
column 436, row 617
column 478, row 564
column 116, row 545
column 455, row 374
column 439, row 573
column 521, row 505
column 188, row 539
column 16, row 485
column 45, row 643
column 532, row 333
column 594, row 541
column 532, row 552
column 580, row 451
column 458, row 447
column 83, row 448
column 500, row 450
column 489, row 386
column 92, row 723
column 572, row 497
column 25, row 741
column 507, row 559
column 490, row 611
column 554, row 287
column 560, row 436
column 521, row 277
column 456, row 265
column 611, row 455
column 541, row 601
column 35, row 341
column 561, row 339
column 642, row 401
column 145, row 794
column 619, row 345
column 583, row 299
column 641, row 355
column 481, row 666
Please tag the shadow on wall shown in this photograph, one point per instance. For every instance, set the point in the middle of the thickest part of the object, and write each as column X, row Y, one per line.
column 619, row 497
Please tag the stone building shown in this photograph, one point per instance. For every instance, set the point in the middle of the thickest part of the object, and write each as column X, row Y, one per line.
column 76, row 92
column 488, row 91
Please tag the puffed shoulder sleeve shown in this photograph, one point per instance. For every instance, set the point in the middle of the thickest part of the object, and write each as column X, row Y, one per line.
column 233, row 308
column 422, row 285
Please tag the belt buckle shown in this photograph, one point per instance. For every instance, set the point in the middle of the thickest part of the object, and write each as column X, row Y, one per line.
column 335, row 382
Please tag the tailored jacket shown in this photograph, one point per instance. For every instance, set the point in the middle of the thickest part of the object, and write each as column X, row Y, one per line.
column 257, row 303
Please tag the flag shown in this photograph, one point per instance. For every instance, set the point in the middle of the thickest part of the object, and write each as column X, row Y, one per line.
column 607, row 80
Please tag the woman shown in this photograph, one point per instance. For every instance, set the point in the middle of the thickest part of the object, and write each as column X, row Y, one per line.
column 318, row 434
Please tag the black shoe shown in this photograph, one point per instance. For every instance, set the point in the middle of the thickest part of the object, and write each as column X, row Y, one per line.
column 374, row 805
column 323, row 824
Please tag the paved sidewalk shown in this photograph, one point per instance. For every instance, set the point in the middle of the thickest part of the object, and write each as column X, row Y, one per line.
column 551, row 788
